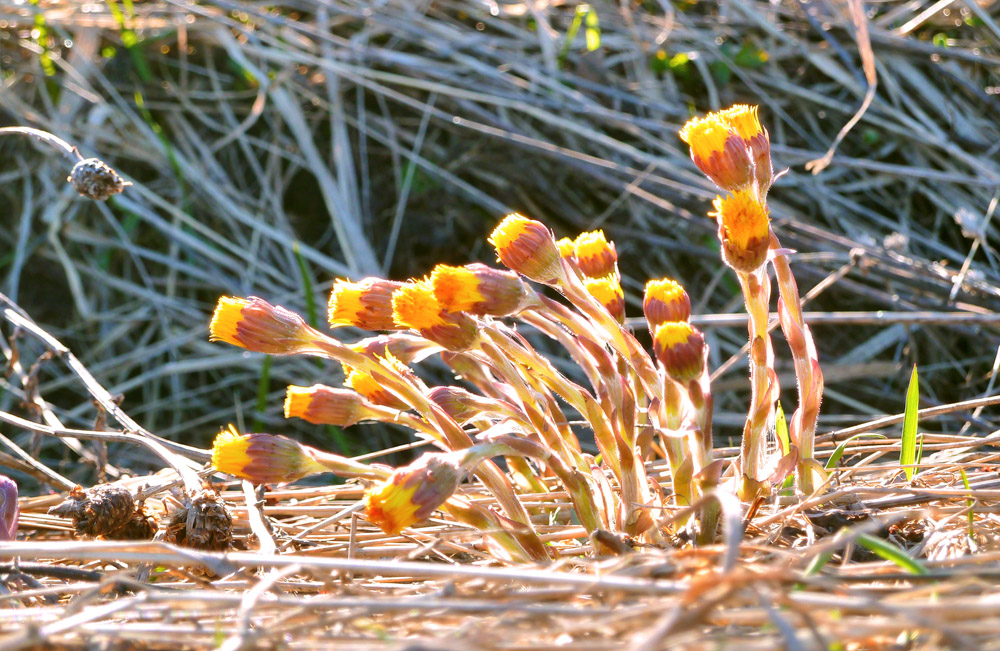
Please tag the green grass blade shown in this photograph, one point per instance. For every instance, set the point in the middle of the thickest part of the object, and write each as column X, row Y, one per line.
column 312, row 317
column 892, row 553
column 970, row 502
column 839, row 452
column 908, row 450
column 781, row 429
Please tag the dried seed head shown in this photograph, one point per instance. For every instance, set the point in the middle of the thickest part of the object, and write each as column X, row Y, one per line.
column 527, row 247
column 744, row 230
column 680, row 347
column 413, row 492
column 108, row 511
column 257, row 325
column 262, row 458
column 608, row 291
column 665, row 300
column 478, row 289
column 94, row 179
column 595, row 255
column 366, row 304
column 204, row 524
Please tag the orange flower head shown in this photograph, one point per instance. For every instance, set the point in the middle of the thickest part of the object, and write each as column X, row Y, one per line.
column 256, row 325
column 323, row 405
column 744, row 230
column 680, row 347
column 719, row 151
column 415, row 306
column 262, row 458
column 373, row 390
column 743, row 119
column 366, row 304
column 413, row 492
column 595, row 255
column 527, row 247
column 665, row 300
column 608, row 291
column 478, row 289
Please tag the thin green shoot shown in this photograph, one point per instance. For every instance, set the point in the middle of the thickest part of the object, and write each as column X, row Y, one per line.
column 891, row 553
column 835, row 458
column 970, row 503
column 908, row 448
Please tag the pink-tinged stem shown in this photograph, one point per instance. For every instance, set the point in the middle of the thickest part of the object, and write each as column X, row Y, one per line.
column 808, row 374
column 764, row 381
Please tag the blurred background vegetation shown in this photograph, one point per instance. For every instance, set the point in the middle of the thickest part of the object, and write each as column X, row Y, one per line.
column 274, row 147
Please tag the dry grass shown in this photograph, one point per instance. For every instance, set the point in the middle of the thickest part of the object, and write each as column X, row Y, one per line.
column 386, row 137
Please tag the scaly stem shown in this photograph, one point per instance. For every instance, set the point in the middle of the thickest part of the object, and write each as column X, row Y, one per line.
column 808, row 375
column 756, row 287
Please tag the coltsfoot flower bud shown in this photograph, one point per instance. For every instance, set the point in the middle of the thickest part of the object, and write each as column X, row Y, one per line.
column 262, row 458
column 403, row 346
column 366, row 304
column 744, row 230
column 460, row 404
column 323, row 405
column 9, row 510
column 413, row 492
column 478, row 289
column 415, row 306
column 608, row 291
column 256, row 325
column 743, row 119
column 595, row 255
column 665, row 300
column 528, row 247
column 719, row 152
column 373, row 390
column 680, row 347
column 94, row 179
column 567, row 247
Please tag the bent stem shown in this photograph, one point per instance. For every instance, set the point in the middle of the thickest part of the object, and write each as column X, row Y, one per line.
column 808, row 374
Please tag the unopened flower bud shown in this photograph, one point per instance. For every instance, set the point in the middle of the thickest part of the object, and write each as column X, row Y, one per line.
column 366, row 304
column 680, row 347
column 595, row 256
column 415, row 306
column 743, row 119
column 413, row 492
column 9, row 509
column 262, row 458
column 608, row 291
column 744, row 230
column 373, row 390
column 94, row 179
column 402, row 345
column 719, row 152
column 323, row 405
column 478, row 289
column 527, row 247
column 665, row 300
column 567, row 248
column 256, row 325
column 460, row 404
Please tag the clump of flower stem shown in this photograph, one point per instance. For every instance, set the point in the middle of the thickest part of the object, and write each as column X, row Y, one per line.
column 515, row 404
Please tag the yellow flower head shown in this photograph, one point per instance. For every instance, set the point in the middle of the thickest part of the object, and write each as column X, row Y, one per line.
column 323, row 405
column 595, row 255
column 567, row 248
column 373, row 390
column 527, row 247
column 743, row 119
column 366, row 304
column 256, row 325
column 478, row 289
column 413, row 492
column 665, row 300
column 262, row 458
column 719, row 151
column 608, row 291
column 744, row 229
column 680, row 347
column 415, row 306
